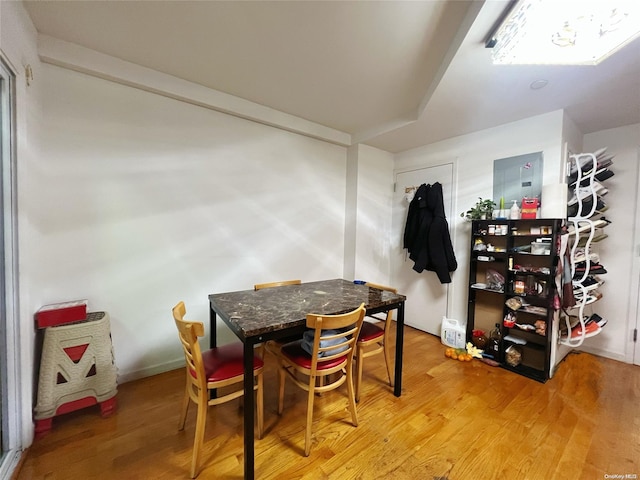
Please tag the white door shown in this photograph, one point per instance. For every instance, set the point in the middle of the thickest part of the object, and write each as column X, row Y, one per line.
column 427, row 298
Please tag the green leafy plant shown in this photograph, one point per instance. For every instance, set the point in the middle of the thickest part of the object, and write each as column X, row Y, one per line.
column 482, row 209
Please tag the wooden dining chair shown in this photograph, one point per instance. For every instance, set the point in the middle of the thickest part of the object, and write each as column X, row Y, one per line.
column 260, row 286
column 329, row 352
column 373, row 340
column 216, row 368
column 273, row 345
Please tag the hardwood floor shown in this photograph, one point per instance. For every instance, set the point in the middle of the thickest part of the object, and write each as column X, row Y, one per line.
column 455, row 421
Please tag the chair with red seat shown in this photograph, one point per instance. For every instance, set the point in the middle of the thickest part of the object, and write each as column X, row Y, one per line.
column 328, row 352
column 216, row 368
column 373, row 339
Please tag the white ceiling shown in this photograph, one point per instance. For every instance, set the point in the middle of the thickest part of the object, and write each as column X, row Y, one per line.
column 393, row 74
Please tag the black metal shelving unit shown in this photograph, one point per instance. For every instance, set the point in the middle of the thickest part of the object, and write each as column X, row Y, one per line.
column 523, row 253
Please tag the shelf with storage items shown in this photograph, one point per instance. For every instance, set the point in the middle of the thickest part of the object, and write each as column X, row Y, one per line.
column 523, row 305
column 487, row 273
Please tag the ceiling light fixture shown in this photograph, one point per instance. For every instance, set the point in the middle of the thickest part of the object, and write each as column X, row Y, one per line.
column 564, row 32
column 538, row 84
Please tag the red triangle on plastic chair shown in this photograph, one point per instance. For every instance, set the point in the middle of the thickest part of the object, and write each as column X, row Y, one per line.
column 76, row 352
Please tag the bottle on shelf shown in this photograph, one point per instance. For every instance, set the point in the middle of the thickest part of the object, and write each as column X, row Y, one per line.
column 493, row 345
column 514, row 211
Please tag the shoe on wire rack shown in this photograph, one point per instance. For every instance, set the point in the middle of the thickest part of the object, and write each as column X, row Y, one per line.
column 580, row 256
column 587, row 205
column 586, row 163
column 594, row 268
column 589, row 283
column 585, row 226
column 597, row 237
column 590, row 329
column 597, row 319
column 583, row 193
column 589, row 298
column 601, row 175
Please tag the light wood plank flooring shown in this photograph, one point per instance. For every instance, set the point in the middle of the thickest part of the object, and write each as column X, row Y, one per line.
column 454, row 421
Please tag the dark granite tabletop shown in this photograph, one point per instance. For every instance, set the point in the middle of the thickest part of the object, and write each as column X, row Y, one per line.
column 252, row 313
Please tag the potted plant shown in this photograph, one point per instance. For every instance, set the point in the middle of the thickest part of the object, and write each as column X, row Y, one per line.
column 483, row 209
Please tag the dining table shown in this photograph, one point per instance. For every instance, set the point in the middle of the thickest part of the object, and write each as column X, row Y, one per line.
column 256, row 316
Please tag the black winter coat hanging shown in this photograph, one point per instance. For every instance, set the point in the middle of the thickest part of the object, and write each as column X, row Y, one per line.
column 426, row 233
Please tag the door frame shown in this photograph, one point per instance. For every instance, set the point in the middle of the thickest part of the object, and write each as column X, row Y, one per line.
column 634, row 288
column 10, row 332
column 450, row 287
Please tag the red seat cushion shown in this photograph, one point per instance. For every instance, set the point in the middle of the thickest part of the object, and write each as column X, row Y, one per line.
column 370, row 331
column 222, row 363
column 295, row 353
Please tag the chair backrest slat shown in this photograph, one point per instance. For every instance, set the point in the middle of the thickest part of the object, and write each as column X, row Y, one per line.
column 189, row 332
column 381, row 287
column 328, row 328
column 260, row 286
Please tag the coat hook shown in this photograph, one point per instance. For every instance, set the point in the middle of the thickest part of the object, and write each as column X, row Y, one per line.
column 409, row 193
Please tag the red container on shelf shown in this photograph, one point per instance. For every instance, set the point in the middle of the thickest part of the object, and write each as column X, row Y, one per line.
column 529, row 208
column 61, row 313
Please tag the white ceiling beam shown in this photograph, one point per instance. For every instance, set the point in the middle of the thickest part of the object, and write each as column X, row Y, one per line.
column 415, row 114
column 75, row 57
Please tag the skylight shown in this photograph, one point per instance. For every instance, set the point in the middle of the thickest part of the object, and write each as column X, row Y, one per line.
column 564, row 32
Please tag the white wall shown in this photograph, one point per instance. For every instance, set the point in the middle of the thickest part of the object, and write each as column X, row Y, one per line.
column 473, row 156
column 350, row 218
column 373, row 215
column 619, row 253
column 572, row 139
column 146, row 201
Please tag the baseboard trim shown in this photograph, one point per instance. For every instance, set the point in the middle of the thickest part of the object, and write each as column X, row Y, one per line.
column 124, row 377
column 603, row 353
